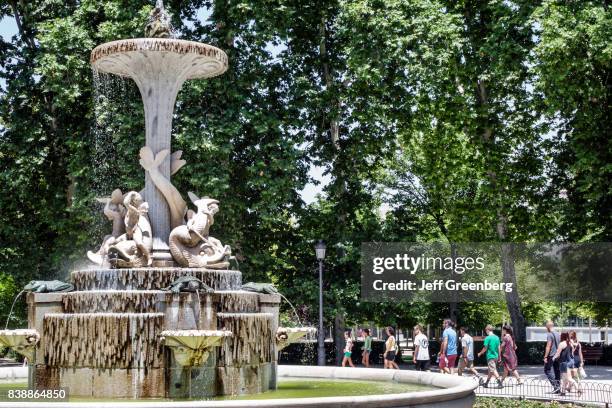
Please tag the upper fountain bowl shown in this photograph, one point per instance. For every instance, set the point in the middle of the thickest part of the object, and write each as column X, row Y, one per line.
column 185, row 59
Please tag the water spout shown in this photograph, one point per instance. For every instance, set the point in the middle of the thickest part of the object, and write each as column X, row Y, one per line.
column 8, row 318
column 294, row 310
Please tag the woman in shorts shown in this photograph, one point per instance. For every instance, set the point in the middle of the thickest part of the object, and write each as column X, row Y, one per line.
column 390, row 349
column 578, row 359
column 348, row 350
column 565, row 355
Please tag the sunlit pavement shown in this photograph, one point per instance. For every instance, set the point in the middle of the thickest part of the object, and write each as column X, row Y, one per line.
column 601, row 374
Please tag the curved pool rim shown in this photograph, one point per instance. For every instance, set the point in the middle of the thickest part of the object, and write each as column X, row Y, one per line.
column 452, row 392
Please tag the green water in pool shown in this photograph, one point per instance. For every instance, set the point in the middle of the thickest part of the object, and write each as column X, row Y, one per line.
column 287, row 388
column 312, row 388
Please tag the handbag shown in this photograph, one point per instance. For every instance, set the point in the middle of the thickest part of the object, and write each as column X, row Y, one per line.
column 583, row 373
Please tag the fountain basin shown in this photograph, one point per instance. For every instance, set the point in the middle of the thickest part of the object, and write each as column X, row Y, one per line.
column 443, row 391
column 23, row 341
column 132, row 56
column 287, row 335
column 192, row 347
column 152, row 278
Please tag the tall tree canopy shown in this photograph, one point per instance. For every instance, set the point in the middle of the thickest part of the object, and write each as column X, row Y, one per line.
column 480, row 120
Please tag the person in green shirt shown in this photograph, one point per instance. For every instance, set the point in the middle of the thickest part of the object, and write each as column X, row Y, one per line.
column 367, row 348
column 492, row 348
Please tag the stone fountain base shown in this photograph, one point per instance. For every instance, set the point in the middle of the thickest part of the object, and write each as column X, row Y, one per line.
column 105, row 339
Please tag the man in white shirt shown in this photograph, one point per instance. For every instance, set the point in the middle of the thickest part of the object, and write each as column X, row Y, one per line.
column 467, row 353
column 421, row 350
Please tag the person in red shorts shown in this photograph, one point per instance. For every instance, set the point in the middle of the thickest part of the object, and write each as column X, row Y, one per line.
column 448, row 349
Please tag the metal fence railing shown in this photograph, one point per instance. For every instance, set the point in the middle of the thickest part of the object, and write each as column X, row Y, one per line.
column 538, row 389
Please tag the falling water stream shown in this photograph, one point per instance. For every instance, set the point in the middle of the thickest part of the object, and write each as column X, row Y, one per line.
column 115, row 125
column 8, row 318
column 294, row 311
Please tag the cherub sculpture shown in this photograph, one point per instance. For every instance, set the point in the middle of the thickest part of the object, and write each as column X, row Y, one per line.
column 133, row 249
column 115, row 212
column 130, row 244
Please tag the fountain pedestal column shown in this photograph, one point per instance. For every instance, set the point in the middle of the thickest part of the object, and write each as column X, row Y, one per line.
column 157, row 77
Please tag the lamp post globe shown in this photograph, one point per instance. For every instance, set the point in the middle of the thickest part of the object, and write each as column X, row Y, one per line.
column 320, row 250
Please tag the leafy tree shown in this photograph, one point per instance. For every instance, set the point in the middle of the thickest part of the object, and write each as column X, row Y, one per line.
column 232, row 130
column 441, row 109
column 572, row 62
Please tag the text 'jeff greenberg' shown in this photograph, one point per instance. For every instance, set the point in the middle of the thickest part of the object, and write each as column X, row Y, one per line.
column 409, row 266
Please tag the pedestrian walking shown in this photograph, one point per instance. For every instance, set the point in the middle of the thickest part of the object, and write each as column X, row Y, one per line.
column 466, row 362
column 448, row 349
column 390, row 349
column 492, row 348
column 367, row 348
column 578, row 370
column 551, row 367
column 421, row 349
column 565, row 356
column 508, row 351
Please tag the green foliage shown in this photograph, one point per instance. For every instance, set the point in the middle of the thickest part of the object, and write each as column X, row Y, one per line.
column 573, row 63
column 455, row 115
column 484, row 402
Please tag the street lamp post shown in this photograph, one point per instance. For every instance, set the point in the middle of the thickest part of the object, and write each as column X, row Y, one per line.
column 320, row 252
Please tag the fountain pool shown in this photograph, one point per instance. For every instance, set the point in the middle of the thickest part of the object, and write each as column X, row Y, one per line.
column 307, row 386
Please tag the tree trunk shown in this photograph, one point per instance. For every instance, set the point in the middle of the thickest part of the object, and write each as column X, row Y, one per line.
column 20, row 22
column 453, row 307
column 513, row 302
column 339, row 328
column 334, row 123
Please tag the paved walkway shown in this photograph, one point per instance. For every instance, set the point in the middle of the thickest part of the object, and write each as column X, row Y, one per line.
column 600, row 374
column 597, row 387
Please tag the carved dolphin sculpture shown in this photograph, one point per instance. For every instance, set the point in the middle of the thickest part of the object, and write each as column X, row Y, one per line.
column 192, row 246
column 175, row 201
column 265, row 288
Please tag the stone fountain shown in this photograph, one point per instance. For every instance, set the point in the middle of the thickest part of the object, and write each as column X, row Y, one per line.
column 161, row 314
